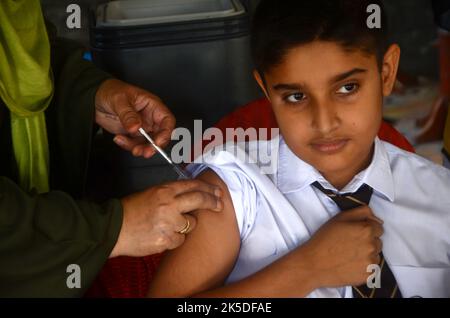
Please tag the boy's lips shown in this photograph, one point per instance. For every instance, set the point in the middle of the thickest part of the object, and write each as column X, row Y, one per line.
column 330, row 146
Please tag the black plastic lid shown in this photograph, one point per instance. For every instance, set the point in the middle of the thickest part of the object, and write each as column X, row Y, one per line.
column 122, row 37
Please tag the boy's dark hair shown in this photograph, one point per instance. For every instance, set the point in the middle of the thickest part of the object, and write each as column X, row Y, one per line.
column 280, row 25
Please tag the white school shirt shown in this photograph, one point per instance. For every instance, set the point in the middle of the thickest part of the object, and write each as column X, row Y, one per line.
column 277, row 212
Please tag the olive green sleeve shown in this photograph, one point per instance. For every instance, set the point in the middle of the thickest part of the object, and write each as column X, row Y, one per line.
column 71, row 116
column 40, row 236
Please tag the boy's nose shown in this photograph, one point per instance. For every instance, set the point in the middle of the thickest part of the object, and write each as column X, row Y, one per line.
column 325, row 118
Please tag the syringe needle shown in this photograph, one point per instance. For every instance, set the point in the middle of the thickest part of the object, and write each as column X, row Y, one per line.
column 181, row 173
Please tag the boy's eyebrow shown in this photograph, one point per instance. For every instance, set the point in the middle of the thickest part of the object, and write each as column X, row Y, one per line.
column 286, row 87
column 343, row 76
column 334, row 79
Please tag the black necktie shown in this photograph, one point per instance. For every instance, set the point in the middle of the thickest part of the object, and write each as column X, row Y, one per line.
column 349, row 201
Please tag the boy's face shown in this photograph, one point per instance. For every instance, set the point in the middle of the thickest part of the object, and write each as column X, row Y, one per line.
column 328, row 104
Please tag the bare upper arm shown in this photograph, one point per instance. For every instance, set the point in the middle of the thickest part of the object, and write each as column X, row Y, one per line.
column 207, row 256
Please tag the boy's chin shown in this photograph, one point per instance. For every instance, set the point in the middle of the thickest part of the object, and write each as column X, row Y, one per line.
column 331, row 164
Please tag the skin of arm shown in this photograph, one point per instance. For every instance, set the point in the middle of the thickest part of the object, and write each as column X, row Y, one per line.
column 201, row 265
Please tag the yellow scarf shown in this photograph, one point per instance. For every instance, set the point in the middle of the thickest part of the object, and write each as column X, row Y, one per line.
column 26, row 87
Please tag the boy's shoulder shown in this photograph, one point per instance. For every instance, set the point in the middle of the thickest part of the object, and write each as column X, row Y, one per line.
column 258, row 155
column 404, row 163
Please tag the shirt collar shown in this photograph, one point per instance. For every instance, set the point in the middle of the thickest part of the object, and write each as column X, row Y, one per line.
column 295, row 174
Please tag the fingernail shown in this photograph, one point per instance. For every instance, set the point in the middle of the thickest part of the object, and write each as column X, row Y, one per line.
column 218, row 192
column 118, row 141
column 219, row 205
column 162, row 142
column 379, row 220
column 136, row 152
column 149, row 153
column 132, row 121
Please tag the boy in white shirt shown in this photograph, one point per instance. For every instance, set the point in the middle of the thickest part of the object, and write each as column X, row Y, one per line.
column 340, row 199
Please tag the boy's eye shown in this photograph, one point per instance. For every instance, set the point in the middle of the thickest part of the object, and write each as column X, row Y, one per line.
column 348, row 88
column 295, row 98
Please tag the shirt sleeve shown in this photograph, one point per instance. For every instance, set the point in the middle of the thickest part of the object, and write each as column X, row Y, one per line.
column 71, row 116
column 242, row 191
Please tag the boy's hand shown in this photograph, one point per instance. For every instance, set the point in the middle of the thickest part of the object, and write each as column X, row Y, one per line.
column 341, row 250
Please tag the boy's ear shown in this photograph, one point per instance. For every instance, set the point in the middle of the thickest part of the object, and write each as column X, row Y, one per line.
column 389, row 69
column 261, row 83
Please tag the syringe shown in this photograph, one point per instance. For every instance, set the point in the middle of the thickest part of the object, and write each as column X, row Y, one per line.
column 181, row 173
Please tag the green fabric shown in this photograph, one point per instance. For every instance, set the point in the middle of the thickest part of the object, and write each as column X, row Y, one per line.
column 40, row 235
column 26, row 87
column 7, row 163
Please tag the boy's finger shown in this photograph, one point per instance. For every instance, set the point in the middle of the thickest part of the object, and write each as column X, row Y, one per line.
column 378, row 245
column 376, row 219
column 377, row 229
column 359, row 214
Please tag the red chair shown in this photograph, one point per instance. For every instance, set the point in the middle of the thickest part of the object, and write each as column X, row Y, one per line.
column 126, row 277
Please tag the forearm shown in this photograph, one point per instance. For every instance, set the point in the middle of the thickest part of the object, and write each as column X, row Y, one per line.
column 290, row 276
column 40, row 236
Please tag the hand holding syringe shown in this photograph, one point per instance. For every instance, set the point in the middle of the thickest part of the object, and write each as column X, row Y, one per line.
column 180, row 171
